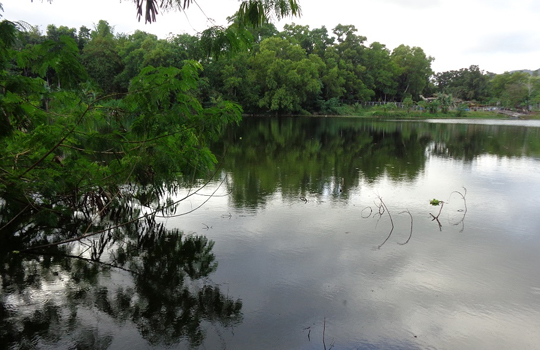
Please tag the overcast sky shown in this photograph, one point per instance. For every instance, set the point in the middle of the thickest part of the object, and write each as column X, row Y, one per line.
column 497, row 35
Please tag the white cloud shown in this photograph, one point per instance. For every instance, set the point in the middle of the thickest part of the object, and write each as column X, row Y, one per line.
column 415, row 4
column 508, row 42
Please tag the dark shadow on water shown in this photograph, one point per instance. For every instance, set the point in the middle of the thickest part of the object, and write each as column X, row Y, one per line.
column 141, row 276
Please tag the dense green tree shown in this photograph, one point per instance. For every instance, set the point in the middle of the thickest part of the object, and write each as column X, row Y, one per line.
column 186, row 47
column 510, row 89
column 54, row 33
column 413, row 70
column 83, row 37
column 333, row 80
column 351, row 56
column 101, row 58
column 320, row 41
column 533, row 91
column 287, row 77
column 265, row 31
column 383, row 71
column 57, row 61
column 466, row 84
column 132, row 50
column 31, row 36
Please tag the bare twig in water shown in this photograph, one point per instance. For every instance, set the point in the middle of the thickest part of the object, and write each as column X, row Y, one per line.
column 308, row 333
column 410, row 234
column 385, row 208
column 379, row 206
column 462, row 196
column 364, row 216
column 437, row 217
column 380, row 210
column 323, row 333
column 332, row 344
column 462, row 221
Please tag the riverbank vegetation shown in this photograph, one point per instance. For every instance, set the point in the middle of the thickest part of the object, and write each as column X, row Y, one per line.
column 298, row 70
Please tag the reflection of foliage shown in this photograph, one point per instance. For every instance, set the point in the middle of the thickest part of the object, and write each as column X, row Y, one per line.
column 466, row 141
column 142, row 274
column 301, row 156
column 313, row 155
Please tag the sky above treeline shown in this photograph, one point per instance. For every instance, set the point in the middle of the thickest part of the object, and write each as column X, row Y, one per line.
column 496, row 35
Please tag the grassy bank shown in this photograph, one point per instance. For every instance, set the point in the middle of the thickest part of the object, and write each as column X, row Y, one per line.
column 415, row 114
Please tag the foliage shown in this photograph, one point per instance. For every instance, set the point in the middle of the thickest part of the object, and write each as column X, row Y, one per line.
column 470, row 84
column 383, row 71
column 101, row 58
column 444, row 102
column 68, row 149
column 328, row 65
column 515, row 90
column 461, row 110
column 331, row 106
column 287, row 79
column 435, row 202
column 408, row 103
column 433, row 106
column 414, row 70
column 251, row 12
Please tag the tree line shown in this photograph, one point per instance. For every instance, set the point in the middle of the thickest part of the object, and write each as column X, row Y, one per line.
column 296, row 70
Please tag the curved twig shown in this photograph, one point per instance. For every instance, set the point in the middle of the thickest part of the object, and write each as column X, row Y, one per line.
column 366, row 216
column 391, row 221
column 410, row 234
column 462, row 221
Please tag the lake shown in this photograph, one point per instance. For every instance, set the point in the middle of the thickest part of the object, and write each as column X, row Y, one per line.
column 315, row 233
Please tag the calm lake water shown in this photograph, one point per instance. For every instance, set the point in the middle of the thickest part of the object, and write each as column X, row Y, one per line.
column 317, row 233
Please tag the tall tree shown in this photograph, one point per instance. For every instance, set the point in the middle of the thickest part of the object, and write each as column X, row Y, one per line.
column 54, row 33
column 383, row 71
column 414, row 70
column 351, row 52
column 287, row 77
column 101, row 58
column 313, row 41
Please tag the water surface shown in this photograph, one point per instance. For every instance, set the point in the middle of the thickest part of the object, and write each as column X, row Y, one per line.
column 288, row 253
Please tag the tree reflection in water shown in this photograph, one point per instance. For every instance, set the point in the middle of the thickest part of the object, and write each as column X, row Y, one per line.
column 141, row 274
